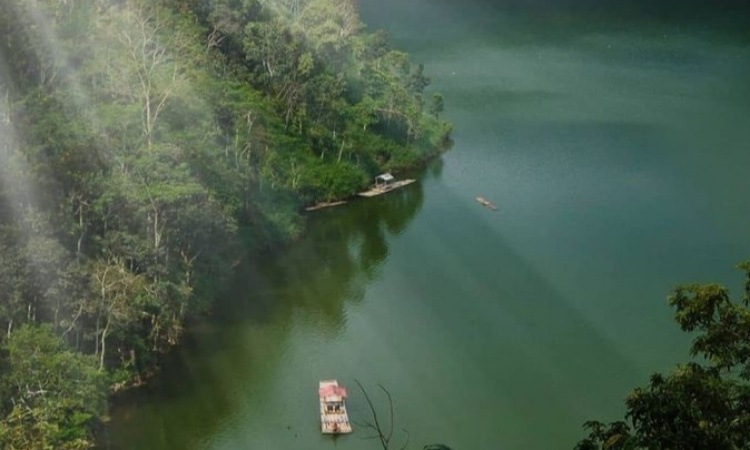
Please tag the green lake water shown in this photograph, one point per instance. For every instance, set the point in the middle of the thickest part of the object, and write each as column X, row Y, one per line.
column 617, row 150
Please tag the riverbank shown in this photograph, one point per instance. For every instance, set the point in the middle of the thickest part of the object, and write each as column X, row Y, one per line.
column 148, row 146
column 602, row 163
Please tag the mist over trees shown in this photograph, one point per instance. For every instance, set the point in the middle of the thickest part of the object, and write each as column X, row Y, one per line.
column 145, row 147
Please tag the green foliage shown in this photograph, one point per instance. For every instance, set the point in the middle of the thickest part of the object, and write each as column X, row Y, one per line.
column 698, row 406
column 437, row 105
column 330, row 181
column 146, row 147
column 53, row 394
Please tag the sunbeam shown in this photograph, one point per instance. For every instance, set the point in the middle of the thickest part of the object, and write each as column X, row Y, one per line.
column 201, row 219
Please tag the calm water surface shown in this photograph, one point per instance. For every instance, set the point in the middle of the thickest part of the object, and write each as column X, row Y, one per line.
column 618, row 153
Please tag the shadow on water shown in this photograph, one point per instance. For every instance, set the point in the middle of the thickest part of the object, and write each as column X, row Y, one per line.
column 205, row 379
column 520, row 345
column 340, row 253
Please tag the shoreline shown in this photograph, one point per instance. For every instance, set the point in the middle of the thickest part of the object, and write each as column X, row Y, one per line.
column 119, row 392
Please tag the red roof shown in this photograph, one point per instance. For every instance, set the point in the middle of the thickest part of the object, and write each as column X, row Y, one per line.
column 331, row 391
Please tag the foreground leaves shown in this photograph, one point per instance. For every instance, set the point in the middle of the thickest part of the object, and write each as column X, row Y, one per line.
column 701, row 405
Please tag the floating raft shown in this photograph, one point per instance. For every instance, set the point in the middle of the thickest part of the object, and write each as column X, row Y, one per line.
column 324, row 205
column 378, row 190
column 486, row 203
column 333, row 416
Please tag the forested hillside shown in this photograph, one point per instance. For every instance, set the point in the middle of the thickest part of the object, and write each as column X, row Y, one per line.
column 145, row 147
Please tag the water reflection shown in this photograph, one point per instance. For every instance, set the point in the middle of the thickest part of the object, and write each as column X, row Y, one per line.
column 341, row 252
column 231, row 362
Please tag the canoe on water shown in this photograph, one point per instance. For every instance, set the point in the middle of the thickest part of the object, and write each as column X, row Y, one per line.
column 324, row 205
column 486, row 203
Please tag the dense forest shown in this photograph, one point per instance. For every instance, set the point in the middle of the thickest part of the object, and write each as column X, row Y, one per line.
column 146, row 146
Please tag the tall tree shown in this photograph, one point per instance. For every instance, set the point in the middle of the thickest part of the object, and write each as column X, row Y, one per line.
column 145, row 147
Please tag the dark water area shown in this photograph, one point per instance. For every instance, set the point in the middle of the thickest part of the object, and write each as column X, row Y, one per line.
column 614, row 139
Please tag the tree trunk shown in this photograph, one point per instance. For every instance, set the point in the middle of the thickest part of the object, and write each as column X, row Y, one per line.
column 148, row 120
column 57, row 313
column 96, row 335
column 79, row 244
column 341, row 149
column 74, row 321
column 104, row 344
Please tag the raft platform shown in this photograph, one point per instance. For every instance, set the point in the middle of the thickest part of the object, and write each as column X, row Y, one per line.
column 384, row 189
column 333, row 416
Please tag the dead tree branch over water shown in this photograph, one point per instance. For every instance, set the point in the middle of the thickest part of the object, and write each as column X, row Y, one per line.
column 385, row 435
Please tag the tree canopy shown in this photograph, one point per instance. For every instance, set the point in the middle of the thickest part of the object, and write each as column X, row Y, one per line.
column 145, row 147
column 703, row 404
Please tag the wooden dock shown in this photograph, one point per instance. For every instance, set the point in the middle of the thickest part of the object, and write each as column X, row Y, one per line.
column 379, row 190
column 486, row 203
column 322, row 205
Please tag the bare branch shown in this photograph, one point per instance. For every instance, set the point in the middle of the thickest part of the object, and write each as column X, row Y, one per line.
column 408, row 436
column 390, row 404
column 377, row 427
column 385, row 437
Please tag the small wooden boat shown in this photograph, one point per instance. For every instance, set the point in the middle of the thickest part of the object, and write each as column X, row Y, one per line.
column 324, row 205
column 385, row 183
column 486, row 203
column 333, row 416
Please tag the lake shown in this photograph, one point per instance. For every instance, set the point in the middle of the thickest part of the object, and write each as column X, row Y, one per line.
column 616, row 148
